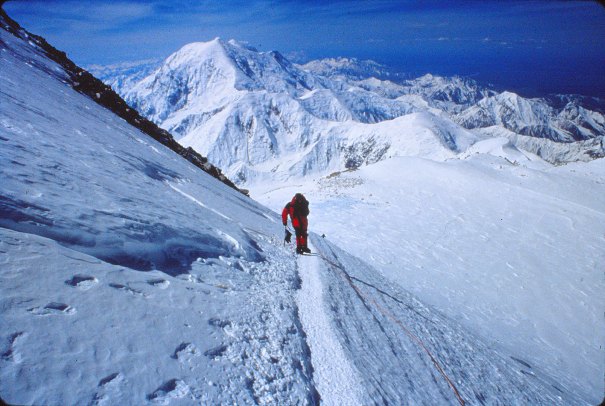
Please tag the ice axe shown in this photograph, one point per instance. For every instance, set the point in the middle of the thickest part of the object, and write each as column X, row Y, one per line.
column 288, row 236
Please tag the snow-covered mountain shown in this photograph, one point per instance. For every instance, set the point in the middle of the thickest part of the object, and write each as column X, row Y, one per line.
column 130, row 276
column 256, row 115
column 535, row 118
column 127, row 74
column 249, row 110
column 351, row 68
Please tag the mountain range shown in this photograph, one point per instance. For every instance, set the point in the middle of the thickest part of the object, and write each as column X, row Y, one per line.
column 257, row 115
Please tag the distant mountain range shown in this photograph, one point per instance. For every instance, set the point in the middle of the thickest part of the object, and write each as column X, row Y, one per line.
column 256, row 114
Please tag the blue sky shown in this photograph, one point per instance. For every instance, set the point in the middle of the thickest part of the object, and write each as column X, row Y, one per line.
column 532, row 47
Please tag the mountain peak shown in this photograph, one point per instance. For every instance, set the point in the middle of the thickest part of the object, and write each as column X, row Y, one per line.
column 238, row 66
column 508, row 95
column 350, row 67
column 198, row 49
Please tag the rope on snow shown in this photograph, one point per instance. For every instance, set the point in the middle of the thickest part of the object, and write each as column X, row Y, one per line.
column 349, row 279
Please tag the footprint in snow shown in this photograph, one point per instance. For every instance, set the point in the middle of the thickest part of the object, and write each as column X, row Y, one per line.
column 219, row 323
column 11, row 354
column 127, row 289
column 185, row 351
column 108, row 384
column 216, row 352
column 82, row 282
column 169, row 391
column 159, row 283
column 226, row 328
column 52, row 309
column 111, row 379
column 224, row 325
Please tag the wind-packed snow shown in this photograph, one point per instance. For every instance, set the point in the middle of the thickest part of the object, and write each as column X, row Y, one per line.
column 130, row 276
column 409, row 354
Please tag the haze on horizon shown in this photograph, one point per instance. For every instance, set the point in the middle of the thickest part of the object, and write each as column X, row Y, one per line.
column 530, row 47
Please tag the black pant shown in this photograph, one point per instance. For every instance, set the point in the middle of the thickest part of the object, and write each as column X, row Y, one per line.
column 301, row 237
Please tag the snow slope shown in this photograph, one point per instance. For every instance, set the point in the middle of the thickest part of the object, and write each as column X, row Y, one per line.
column 130, row 276
column 502, row 242
column 410, row 354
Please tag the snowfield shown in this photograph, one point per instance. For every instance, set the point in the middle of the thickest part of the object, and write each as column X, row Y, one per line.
column 513, row 252
column 130, row 276
column 77, row 330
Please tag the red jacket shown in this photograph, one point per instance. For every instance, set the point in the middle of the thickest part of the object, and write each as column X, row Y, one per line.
column 298, row 210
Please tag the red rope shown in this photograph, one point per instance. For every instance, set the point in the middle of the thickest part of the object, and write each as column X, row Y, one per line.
column 347, row 278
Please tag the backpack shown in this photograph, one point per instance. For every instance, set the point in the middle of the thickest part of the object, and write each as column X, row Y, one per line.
column 301, row 205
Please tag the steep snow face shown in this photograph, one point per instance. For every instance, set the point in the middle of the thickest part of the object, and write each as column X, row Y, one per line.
column 97, row 158
column 125, row 266
column 380, row 322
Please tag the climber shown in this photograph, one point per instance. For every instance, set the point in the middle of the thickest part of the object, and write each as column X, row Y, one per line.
column 298, row 209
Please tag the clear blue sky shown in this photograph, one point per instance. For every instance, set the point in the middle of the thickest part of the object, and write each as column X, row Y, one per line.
column 532, row 47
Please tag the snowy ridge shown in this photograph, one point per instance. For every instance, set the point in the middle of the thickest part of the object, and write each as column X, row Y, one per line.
column 83, row 82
